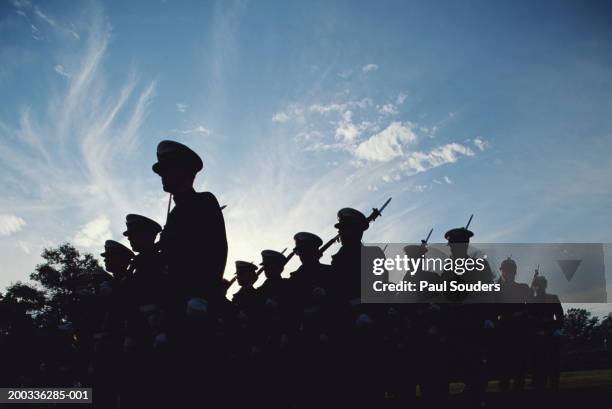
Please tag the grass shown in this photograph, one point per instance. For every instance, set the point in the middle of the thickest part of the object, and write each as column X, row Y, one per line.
column 569, row 380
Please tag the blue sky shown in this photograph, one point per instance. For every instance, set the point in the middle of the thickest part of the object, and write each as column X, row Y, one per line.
column 501, row 109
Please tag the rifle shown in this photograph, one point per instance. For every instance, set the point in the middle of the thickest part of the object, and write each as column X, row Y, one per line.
column 424, row 242
column 373, row 216
column 535, row 274
column 469, row 221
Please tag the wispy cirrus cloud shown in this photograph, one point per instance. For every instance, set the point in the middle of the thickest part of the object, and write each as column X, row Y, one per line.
column 70, row 152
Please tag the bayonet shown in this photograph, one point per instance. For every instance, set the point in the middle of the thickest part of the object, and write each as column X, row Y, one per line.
column 428, row 236
column 469, row 221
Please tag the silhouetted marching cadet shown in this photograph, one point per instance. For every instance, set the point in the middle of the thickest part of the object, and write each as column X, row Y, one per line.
column 275, row 296
column 312, row 276
column 427, row 335
column 547, row 317
column 512, row 350
column 470, row 319
column 248, row 305
column 148, row 278
column 361, row 319
column 417, row 251
column 193, row 241
column 108, row 351
column 275, row 323
column 145, row 290
column 347, row 261
column 312, row 340
column 246, row 298
column 193, row 245
column 274, row 290
column 117, row 260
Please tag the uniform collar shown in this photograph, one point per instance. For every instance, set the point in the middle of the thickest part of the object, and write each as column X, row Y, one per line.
column 183, row 196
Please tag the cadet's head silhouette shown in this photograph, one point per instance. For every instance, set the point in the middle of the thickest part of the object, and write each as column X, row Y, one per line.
column 508, row 270
column 459, row 241
column 141, row 232
column 177, row 165
column 246, row 273
column 307, row 247
column 351, row 225
column 273, row 263
column 539, row 285
column 415, row 250
column 117, row 257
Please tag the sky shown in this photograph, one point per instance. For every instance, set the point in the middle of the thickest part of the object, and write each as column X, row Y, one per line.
column 497, row 109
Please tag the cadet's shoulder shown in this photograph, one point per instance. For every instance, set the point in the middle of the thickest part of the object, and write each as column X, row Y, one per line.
column 208, row 201
column 373, row 250
column 206, row 197
column 523, row 287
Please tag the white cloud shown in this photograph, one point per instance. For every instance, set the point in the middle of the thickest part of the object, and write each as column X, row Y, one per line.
column 94, row 233
column 10, row 224
column 480, row 143
column 387, row 144
column 388, row 109
column 61, row 70
column 417, row 162
column 291, row 113
column 448, row 180
column 197, row 129
column 347, row 131
column 401, row 98
column 181, row 107
column 323, row 109
column 369, row 68
column 280, row 117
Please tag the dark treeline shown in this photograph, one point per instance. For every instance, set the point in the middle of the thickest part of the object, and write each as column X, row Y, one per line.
column 154, row 328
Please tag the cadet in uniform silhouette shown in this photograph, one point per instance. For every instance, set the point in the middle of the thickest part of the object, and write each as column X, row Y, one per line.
column 193, row 242
column 347, row 262
column 248, row 304
column 312, row 278
column 547, row 317
column 193, row 245
column 117, row 260
column 311, row 321
column 275, row 297
column 147, row 265
column 274, row 290
column 107, row 360
column 361, row 319
column 145, row 289
column 511, row 327
column 427, row 338
column 246, row 298
column 470, row 320
column 416, row 251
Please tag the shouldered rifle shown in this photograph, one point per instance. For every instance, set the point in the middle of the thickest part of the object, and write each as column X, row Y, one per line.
column 469, row 221
column 424, row 242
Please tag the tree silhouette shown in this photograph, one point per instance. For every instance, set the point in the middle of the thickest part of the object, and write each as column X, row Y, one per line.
column 580, row 329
